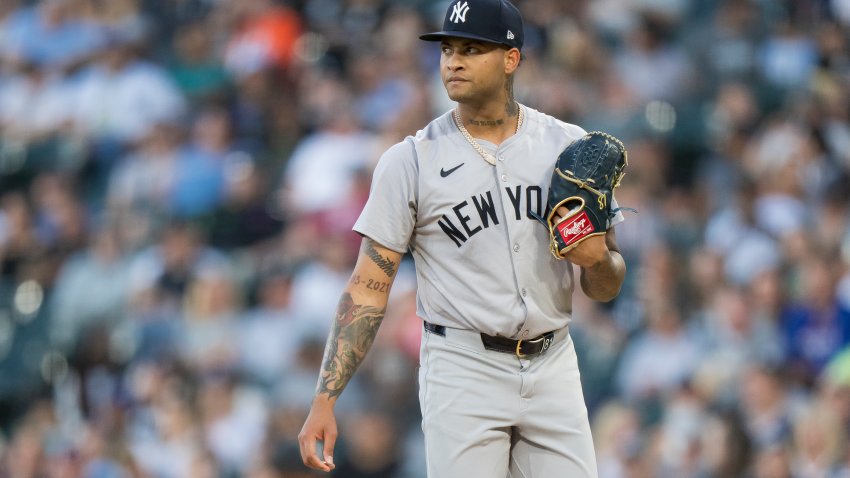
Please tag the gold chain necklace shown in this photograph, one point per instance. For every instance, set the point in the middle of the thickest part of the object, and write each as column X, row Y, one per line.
column 477, row 147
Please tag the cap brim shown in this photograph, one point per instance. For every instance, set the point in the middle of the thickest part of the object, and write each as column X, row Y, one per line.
column 439, row 36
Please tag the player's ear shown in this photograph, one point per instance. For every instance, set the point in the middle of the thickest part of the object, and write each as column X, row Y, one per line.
column 512, row 57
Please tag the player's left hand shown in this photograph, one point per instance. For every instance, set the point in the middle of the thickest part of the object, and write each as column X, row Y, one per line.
column 588, row 252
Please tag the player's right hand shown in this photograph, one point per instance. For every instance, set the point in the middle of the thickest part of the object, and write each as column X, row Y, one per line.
column 319, row 426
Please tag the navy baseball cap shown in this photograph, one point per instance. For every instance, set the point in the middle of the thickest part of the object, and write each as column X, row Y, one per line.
column 494, row 21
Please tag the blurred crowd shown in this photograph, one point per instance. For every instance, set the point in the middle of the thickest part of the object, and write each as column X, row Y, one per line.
column 178, row 180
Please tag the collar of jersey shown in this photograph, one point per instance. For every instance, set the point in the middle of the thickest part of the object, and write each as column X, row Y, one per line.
column 506, row 143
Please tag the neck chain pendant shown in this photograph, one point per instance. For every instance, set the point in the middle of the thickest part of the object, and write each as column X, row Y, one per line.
column 477, row 147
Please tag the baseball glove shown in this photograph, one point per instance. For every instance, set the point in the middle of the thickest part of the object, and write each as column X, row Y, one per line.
column 585, row 176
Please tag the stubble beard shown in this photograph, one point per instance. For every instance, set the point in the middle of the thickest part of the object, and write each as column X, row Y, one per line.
column 471, row 95
column 456, row 94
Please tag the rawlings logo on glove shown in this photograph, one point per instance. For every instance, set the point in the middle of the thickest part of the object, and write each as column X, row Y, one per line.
column 575, row 228
column 583, row 183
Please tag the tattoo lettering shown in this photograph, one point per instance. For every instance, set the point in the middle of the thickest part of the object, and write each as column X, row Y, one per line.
column 353, row 332
column 378, row 286
column 486, row 122
column 385, row 264
column 371, row 284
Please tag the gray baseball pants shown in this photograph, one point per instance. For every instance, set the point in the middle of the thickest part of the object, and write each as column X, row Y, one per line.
column 489, row 414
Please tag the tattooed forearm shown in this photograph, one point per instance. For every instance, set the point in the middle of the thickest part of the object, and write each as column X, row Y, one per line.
column 371, row 284
column 385, row 264
column 511, row 106
column 353, row 332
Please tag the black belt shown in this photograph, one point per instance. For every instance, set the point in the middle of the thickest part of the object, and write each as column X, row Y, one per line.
column 521, row 347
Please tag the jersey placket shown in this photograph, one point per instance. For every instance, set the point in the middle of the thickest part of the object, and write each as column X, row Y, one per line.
column 504, row 179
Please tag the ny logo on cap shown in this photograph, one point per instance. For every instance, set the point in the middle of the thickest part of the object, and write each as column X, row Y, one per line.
column 459, row 11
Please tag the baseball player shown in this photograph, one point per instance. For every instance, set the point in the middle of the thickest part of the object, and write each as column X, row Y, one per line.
column 498, row 380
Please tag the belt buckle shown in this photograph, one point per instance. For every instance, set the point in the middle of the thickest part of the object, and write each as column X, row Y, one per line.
column 547, row 342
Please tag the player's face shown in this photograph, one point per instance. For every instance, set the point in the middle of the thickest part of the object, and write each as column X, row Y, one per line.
column 472, row 70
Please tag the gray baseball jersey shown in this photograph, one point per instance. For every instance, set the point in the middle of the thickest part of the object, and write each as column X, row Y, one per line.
column 482, row 261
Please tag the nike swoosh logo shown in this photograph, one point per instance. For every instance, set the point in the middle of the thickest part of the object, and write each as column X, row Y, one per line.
column 445, row 173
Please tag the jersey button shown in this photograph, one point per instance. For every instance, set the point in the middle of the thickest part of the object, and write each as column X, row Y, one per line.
column 504, row 177
column 516, row 247
column 524, row 292
column 501, row 158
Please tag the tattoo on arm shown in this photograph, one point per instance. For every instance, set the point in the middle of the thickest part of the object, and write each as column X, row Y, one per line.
column 371, row 284
column 353, row 332
column 385, row 264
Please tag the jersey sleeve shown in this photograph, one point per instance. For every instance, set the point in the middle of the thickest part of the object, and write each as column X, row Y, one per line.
column 390, row 212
